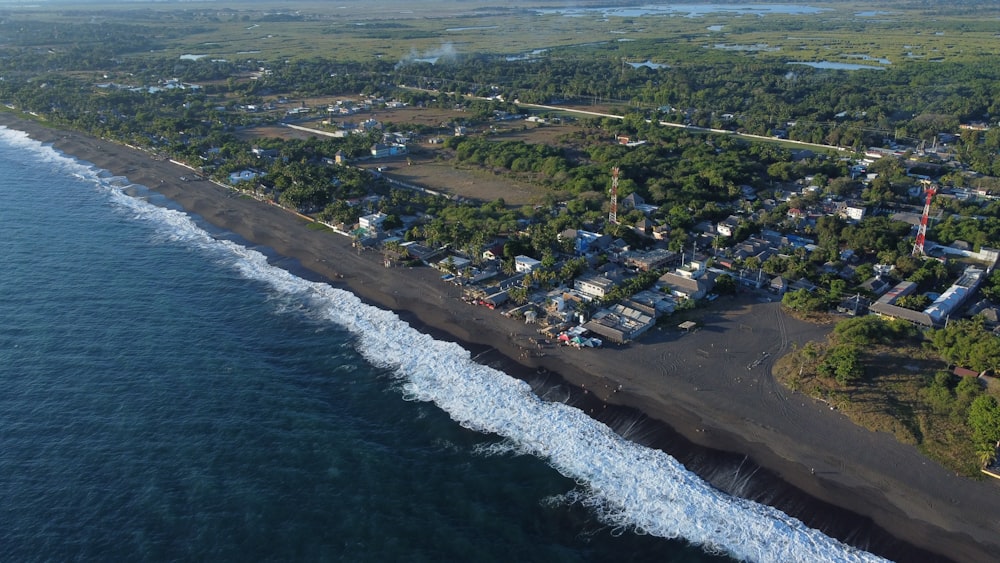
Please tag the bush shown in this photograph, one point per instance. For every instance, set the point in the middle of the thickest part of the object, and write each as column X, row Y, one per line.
column 843, row 363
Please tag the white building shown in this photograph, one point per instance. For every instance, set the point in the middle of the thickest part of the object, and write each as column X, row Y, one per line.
column 373, row 222
column 593, row 285
column 525, row 263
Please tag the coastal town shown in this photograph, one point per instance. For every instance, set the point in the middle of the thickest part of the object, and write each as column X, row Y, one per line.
column 619, row 275
column 591, row 287
column 795, row 265
column 687, row 272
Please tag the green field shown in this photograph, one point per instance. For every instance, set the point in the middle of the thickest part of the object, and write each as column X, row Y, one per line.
column 842, row 32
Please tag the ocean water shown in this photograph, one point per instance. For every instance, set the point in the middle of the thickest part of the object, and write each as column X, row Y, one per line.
column 167, row 394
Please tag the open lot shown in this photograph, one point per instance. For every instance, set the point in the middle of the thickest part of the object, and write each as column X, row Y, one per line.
column 428, row 164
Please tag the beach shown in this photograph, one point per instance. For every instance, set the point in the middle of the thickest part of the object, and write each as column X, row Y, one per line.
column 713, row 386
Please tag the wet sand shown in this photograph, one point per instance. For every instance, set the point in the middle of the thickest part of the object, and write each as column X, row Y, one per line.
column 712, row 387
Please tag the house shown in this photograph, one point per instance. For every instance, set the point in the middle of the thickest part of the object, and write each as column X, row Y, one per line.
column 372, row 223
column 525, row 263
column 593, row 285
column 853, row 306
column 875, row 285
column 453, row 264
column 949, row 301
column 420, row 252
column 778, row 285
column 802, row 283
column 264, row 153
column 886, row 305
column 851, row 211
column 656, row 302
column 244, row 176
column 648, row 260
column 644, row 227
column 494, row 252
column 684, row 286
column 631, row 201
column 586, row 241
column 727, row 228
column 494, row 300
column 380, row 150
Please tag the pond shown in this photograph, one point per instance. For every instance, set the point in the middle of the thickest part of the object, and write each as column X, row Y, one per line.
column 836, row 66
column 649, row 64
column 686, row 10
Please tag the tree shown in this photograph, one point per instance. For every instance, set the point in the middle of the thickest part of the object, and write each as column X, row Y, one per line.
column 916, row 302
column 804, row 301
column 518, row 294
column 725, row 285
column 843, row 363
column 984, row 418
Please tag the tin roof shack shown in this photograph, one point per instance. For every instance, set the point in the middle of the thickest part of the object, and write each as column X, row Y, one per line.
column 495, row 300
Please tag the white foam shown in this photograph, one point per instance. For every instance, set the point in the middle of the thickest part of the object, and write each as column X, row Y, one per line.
column 631, row 487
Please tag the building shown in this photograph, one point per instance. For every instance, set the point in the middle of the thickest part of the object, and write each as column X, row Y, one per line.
column 244, row 176
column 685, row 287
column 593, row 285
column 649, row 260
column 852, row 211
column 955, row 295
column 372, row 223
column 525, row 263
column 620, row 323
column 727, row 228
column 380, row 150
column 689, row 281
column 886, row 305
column 586, row 241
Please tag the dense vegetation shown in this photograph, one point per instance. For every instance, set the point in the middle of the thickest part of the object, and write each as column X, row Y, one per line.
column 883, row 375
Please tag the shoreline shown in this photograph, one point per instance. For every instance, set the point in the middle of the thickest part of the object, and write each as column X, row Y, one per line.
column 697, row 385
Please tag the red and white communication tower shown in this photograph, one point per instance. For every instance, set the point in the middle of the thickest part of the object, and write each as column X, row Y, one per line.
column 918, row 246
column 613, row 215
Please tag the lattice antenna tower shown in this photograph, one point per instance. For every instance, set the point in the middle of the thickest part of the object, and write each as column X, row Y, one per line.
column 613, row 215
column 918, row 245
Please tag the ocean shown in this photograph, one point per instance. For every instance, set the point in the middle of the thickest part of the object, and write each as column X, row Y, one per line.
column 169, row 392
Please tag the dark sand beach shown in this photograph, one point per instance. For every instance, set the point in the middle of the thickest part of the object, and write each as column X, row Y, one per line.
column 712, row 387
